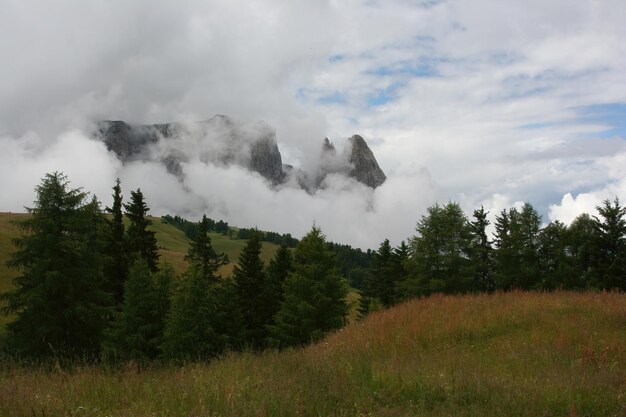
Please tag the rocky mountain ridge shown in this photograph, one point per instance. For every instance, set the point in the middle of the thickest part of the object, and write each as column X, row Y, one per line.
column 222, row 141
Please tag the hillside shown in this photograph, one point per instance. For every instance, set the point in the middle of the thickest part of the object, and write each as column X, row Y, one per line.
column 172, row 244
column 508, row 354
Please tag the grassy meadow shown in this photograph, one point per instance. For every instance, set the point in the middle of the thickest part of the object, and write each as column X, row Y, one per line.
column 507, row 354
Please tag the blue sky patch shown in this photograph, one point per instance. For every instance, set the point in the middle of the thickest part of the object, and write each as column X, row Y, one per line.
column 336, row 58
column 383, row 96
column 336, row 97
column 424, row 67
column 613, row 115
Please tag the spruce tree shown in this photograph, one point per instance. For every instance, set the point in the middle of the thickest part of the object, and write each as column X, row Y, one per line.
column 116, row 265
column 556, row 270
column 280, row 267
column 278, row 270
column 141, row 242
column 138, row 329
column 58, row 299
column 505, row 268
column 251, row 284
column 517, row 263
column 314, row 295
column 440, row 251
column 525, row 226
column 401, row 271
column 582, row 247
column 189, row 329
column 380, row 287
column 204, row 317
column 481, row 253
column 610, row 231
column 201, row 255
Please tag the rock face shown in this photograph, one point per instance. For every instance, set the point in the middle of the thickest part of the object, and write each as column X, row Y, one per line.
column 218, row 140
column 222, row 141
column 366, row 169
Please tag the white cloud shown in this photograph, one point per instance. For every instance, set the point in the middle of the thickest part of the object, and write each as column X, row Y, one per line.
column 486, row 97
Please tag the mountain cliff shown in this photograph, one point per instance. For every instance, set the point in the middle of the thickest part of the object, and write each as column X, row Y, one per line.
column 366, row 168
column 222, row 141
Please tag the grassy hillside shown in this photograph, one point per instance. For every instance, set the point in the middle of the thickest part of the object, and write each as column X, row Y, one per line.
column 173, row 245
column 172, row 242
column 513, row 354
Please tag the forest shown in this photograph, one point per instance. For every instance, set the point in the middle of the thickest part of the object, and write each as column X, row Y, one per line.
column 90, row 286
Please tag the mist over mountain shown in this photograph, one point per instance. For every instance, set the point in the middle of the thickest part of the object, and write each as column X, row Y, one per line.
column 223, row 141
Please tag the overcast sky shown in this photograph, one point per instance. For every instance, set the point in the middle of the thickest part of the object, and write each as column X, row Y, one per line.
column 481, row 102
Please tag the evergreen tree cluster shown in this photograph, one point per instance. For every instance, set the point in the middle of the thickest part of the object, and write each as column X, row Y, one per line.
column 264, row 236
column 90, row 284
column 191, row 229
column 453, row 254
column 91, row 287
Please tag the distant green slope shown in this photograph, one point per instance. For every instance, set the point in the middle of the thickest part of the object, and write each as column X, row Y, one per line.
column 173, row 245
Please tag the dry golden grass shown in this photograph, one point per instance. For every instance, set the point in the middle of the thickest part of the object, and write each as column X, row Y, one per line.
column 513, row 354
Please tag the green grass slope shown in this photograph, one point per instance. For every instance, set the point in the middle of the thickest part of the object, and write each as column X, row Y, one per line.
column 513, row 354
column 172, row 242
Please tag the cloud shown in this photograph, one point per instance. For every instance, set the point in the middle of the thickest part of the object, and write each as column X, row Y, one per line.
column 522, row 99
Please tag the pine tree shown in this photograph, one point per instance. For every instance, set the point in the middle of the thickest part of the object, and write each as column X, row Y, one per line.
column 201, row 255
column 610, row 231
column 525, row 226
column 441, row 251
column 481, row 253
column 141, row 242
column 226, row 319
column 582, row 246
column 138, row 330
column 517, row 263
column 116, row 265
column 381, row 282
column 58, row 300
column 251, row 284
column 505, row 267
column 189, row 329
column 556, row 269
column 280, row 267
column 401, row 270
column 314, row 295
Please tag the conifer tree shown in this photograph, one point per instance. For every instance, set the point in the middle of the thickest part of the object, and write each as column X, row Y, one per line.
column 481, row 252
column 280, row 267
column 582, row 246
column 58, row 300
column 201, row 255
column 116, row 265
column 505, row 267
column 204, row 318
column 314, row 295
column 525, row 225
column 440, row 251
column 141, row 242
column 610, row 231
column 556, row 269
column 401, row 270
column 251, row 284
column 381, row 282
column 138, row 329
column 189, row 329
column 278, row 270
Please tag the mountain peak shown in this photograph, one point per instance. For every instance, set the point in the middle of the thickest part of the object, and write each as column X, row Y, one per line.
column 366, row 168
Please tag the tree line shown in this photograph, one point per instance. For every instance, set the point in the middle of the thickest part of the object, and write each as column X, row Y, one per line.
column 453, row 254
column 91, row 287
